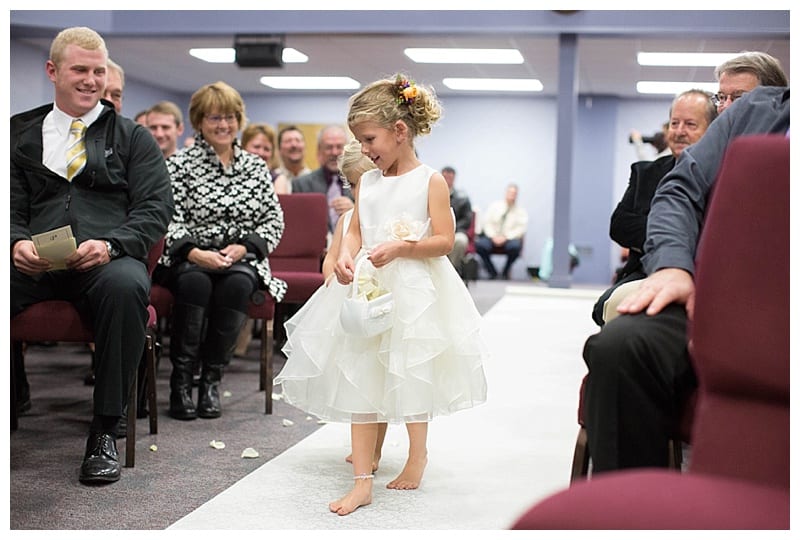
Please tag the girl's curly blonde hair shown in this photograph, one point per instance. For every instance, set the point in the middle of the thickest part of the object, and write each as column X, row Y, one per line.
column 396, row 98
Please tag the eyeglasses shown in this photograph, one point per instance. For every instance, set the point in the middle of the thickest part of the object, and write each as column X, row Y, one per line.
column 720, row 98
column 216, row 119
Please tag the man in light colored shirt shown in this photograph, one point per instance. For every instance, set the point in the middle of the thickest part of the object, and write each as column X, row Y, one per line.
column 292, row 151
column 504, row 227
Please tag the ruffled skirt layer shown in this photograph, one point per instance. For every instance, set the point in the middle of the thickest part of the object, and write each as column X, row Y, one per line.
column 429, row 363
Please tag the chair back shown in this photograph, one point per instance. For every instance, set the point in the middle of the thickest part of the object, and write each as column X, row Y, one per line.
column 154, row 254
column 739, row 336
column 471, row 233
column 304, row 240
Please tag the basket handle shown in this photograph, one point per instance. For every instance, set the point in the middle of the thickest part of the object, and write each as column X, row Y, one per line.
column 356, row 272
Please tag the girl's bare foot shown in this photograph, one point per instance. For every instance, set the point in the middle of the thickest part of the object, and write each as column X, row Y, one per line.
column 375, row 460
column 360, row 495
column 411, row 475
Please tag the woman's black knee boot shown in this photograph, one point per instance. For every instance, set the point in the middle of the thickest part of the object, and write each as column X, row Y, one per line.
column 224, row 326
column 184, row 344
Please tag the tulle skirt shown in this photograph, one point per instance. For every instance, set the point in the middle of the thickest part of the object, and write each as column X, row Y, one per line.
column 429, row 363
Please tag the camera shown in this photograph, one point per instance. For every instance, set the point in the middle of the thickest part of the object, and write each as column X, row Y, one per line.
column 647, row 140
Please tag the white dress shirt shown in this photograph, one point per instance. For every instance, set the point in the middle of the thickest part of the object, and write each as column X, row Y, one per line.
column 502, row 220
column 56, row 137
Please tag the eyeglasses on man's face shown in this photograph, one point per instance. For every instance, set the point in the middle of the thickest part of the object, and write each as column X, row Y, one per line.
column 720, row 98
column 216, row 119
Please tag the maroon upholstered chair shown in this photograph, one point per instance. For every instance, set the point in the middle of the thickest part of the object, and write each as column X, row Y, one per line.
column 58, row 320
column 738, row 477
column 470, row 264
column 298, row 261
column 298, row 258
column 161, row 299
column 471, row 233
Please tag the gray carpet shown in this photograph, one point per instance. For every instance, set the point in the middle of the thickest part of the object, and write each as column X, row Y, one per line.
column 183, row 472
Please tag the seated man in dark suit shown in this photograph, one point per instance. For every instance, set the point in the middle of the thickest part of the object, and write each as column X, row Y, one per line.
column 77, row 162
column 326, row 179
column 690, row 115
column 639, row 366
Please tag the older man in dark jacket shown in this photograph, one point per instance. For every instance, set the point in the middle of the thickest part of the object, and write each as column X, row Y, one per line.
column 76, row 163
column 462, row 211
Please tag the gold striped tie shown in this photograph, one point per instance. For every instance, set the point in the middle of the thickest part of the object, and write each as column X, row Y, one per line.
column 76, row 151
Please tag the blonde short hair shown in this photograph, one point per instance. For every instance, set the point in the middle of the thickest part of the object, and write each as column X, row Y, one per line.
column 83, row 37
column 169, row 108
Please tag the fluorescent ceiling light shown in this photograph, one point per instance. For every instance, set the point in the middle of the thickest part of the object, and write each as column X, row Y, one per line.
column 293, row 56
column 683, row 59
column 674, row 88
column 215, row 56
column 464, row 56
column 503, row 85
column 227, row 55
column 311, row 83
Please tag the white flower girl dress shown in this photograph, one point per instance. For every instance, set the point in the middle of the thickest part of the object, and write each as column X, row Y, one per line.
column 429, row 363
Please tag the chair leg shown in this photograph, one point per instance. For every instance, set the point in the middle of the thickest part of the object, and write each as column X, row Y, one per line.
column 266, row 364
column 262, row 357
column 150, row 363
column 580, row 459
column 14, row 412
column 675, row 454
column 130, row 439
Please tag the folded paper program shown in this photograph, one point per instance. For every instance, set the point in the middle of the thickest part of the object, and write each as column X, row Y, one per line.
column 55, row 246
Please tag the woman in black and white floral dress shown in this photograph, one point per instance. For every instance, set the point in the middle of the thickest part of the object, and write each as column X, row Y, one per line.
column 227, row 220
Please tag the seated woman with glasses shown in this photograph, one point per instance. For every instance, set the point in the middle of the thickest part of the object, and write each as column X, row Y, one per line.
column 227, row 220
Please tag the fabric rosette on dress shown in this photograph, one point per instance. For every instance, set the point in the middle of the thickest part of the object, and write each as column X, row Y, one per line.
column 406, row 228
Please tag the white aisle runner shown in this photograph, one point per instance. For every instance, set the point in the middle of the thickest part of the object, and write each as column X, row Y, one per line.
column 485, row 465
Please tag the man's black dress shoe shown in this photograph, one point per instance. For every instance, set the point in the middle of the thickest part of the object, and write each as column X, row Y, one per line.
column 101, row 461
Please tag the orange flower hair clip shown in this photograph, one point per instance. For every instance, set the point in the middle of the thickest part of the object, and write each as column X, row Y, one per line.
column 406, row 91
